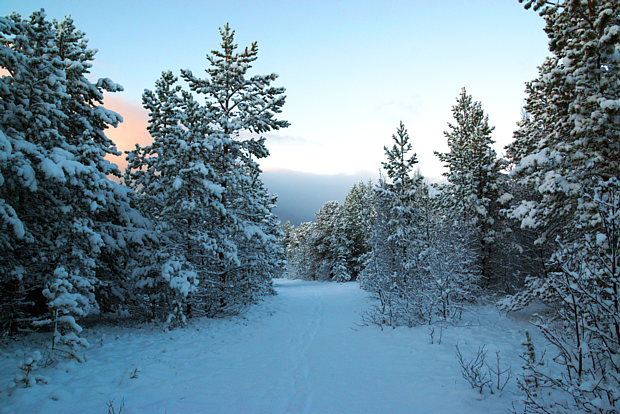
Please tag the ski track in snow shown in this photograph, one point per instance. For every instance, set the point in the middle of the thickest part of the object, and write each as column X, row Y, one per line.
column 303, row 351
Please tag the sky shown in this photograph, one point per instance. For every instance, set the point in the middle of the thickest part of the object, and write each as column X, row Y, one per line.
column 352, row 71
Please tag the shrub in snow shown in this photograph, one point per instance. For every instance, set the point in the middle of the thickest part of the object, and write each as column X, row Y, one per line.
column 531, row 379
column 480, row 374
column 585, row 294
column 112, row 409
column 28, row 366
column 473, row 370
column 451, row 272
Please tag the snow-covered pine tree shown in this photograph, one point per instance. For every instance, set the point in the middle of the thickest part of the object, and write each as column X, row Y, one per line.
column 58, row 209
column 300, row 252
column 241, row 105
column 64, row 306
column 202, row 171
column 380, row 271
column 331, row 243
column 569, row 150
column 175, row 183
column 261, row 254
column 358, row 215
column 336, row 245
column 393, row 272
column 402, row 189
column 471, row 194
column 568, row 143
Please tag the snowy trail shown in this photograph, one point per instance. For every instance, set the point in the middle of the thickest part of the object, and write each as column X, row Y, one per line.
column 299, row 352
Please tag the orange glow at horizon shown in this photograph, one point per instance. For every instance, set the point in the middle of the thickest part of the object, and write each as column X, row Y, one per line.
column 131, row 131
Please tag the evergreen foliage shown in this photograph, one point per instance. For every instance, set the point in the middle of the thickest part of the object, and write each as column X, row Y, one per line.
column 200, row 183
column 335, row 246
column 418, row 273
column 566, row 149
column 59, row 211
column 471, row 195
column 191, row 231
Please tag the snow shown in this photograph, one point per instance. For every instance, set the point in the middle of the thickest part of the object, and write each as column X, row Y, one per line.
column 178, row 183
column 302, row 351
column 506, row 198
column 532, row 160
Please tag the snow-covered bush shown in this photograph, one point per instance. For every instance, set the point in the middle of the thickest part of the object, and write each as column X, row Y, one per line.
column 585, row 293
column 473, row 370
column 480, row 374
column 452, row 273
column 27, row 378
column 65, row 304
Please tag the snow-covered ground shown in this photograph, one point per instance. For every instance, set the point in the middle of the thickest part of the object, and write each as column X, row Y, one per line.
column 303, row 351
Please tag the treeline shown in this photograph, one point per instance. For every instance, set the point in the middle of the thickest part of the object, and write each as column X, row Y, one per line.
column 335, row 246
column 424, row 250
column 189, row 232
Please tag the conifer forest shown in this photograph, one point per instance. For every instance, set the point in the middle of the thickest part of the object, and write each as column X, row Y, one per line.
column 185, row 241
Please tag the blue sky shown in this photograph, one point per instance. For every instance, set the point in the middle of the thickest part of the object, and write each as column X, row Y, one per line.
column 352, row 69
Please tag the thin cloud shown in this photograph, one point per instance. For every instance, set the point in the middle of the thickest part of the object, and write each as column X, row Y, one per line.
column 287, row 139
column 274, row 138
column 405, row 110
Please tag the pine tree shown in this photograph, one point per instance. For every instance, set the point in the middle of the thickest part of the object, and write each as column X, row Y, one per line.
column 472, row 191
column 175, row 182
column 58, row 210
column 202, row 178
column 402, row 191
column 332, row 244
column 569, row 142
column 236, row 105
column 358, row 215
column 393, row 272
column 335, row 247
column 301, row 263
column 568, row 150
